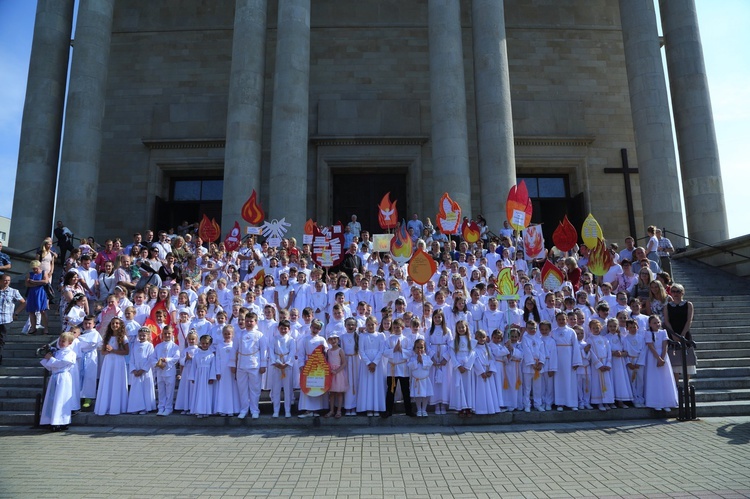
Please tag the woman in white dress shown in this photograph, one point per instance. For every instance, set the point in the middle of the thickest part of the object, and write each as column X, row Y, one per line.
column 660, row 390
column 112, row 394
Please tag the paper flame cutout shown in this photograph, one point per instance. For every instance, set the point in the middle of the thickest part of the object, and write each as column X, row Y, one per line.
column 471, row 232
column 591, row 232
column 387, row 212
column 565, row 235
column 507, row 284
column 449, row 215
column 209, row 230
column 251, row 211
column 422, row 267
column 600, row 259
column 315, row 378
column 533, row 242
column 308, row 228
column 234, row 238
column 518, row 207
column 552, row 277
column 401, row 245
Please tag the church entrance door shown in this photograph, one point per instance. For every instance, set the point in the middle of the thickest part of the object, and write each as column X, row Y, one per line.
column 360, row 193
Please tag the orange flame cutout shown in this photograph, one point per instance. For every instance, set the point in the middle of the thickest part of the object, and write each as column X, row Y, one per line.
column 308, row 229
column 471, row 232
column 209, row 230
column 422, row 267
column 533, row 242
column 565, row 235
column 401, row 245
column 315, row 378
column 507, row 284
column 600, row 259
column 518, row 207
column 251, row 210
column 449, row 215
column 552, row 277
column 387, row 213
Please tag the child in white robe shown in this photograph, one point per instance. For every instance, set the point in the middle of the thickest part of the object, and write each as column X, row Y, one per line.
column 462, row 362
column 550, row 364
column 204, row 378
column 421, row 384
column 513, row 386
column 602, row 391
column 534, row 355
column 350, row 345
column 568, row 360
column 485, row 371
column 166, row 356
column 112, row 392
column 660, row 389
column 282, row 353
column 620, row 380
column 308, row 345
column 186, row 389
column 500, row 355
column 141, row 397
column 60, row 399
column 371, row 389
column 583, row 373
column 440, row 340
column 226, row 395
column 635, row 346
column 89, row 342
column 251, row 365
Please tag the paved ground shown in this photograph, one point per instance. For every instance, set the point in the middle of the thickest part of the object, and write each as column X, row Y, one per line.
column 708, row 458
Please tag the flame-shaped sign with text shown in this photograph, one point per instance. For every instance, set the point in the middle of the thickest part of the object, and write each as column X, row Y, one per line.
column 328, row 245
column 518, row 207
column 600, row 259
column 422, row 267
column 252, row 213
column 154, row 329
column 387, row 212
column 591, row 232
column 233, row 239
column 552, row 277
column 448, row 218
column 401, row 245
column 307, row 236
column 507, row 284
column 315, row 378
column 565, row 235
column 470, row 232
column 533, row 242
column 209, row 230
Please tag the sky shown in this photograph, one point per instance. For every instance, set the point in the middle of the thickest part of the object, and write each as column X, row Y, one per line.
column 726, row 40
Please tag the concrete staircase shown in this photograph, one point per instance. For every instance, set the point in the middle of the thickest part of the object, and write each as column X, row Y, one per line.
column 721, row 329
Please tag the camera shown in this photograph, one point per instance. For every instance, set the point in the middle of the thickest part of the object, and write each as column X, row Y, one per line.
column 45, row 349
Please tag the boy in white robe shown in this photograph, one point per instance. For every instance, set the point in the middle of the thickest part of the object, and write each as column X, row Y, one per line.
column 635, row 346
column 534, row 355
column 568, row 361
column 583, row 373
column 141, row 397
column 166, row 356
column 61, row 398
column 397, row 353
column 550, row 364
column 88, row 344
column 252, row 361
column 350, row 345
column 282, row 353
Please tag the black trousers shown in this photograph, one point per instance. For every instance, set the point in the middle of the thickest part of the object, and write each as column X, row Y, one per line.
column 389, row 395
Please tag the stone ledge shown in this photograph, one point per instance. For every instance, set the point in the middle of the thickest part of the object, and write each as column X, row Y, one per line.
column 206, row 143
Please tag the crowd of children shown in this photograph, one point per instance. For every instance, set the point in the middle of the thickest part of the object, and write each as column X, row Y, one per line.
column 227, row 332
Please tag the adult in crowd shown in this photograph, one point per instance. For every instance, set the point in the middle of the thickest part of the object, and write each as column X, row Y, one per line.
column 11, row 303
column 415, row 224
column 678, row 317
column 355, row 227
column 352, row 262
column 64, row 239
column 5, row 263
column 665, row 251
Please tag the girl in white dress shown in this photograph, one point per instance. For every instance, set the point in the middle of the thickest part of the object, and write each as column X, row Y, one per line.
column 462, row 361
column 203, row 377
column 371, row 396
column 186, row 389
column 623, row 390
column 307, row 346
column 226, row 396
column 142, row 397
column 485, row 371
column 440, row 340
column 602, row 391
column 500, row 355
column 421, row 384
column 660, row 390
column 112, row 394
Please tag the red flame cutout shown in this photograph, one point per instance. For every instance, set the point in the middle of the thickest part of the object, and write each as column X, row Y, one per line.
column 233, row 239
column 387, row 212
column 565, row 235
column 471, row 232
column 209, row 230
column 251, row 210
column 518, row 207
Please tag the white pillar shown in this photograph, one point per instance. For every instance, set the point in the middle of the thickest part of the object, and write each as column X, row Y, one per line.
column 39, row 148
column 450, row 149
column 649, row 104
column 497, row 160
column 289, row 128
column 694, row 122
column 245, row 113
column 82, row 141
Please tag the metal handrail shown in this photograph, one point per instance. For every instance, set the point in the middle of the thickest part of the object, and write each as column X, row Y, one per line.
column 723, row 250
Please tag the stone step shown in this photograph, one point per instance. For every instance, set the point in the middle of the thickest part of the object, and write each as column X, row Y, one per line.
column 22, row 371
column 706, row 336
column 723, row 372
column 18, row 418
column 9, row 391
column 714, row 315
column 724, row 345
column 20, row 361
column 719, row 383
column 722, row 409
column 700, row 323
column 719, row 395
column 17, row 404
column 22, row 380
column 719, row 354
column 723, row 362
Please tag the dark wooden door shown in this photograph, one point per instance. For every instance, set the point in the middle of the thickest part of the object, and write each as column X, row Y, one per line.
column 360, row 193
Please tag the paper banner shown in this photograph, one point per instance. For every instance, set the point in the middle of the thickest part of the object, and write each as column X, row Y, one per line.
column 328, row 245
column 382, row 242
column 518, row 207
column 600, row 259
column 209, row 230
column 387, row 213
column 533, row 242
column 448, row 218
column 591, row 232
column 507, row 284
column 233, row 239
column 552, row 277
column 565, row 236
column 315, row 378
column 422, row 267
column 401, row 245
column 252, row 213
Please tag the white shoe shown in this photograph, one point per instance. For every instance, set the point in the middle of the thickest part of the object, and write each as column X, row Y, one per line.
column 275, row 415
column 638, row 405
column 603, row 407
column 370, row 414
column 527, row 409
column 166, row 413
column 160, row 413
column 667, row 409
column 288, row 415
column 589, row 406
column 548, row 407
column 540, row 409
column 242, row 415
column 142, row 412
column 560, row 408
column 256, row 415
column 574, row 408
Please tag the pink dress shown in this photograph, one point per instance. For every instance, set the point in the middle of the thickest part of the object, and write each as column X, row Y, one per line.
column 340, row 382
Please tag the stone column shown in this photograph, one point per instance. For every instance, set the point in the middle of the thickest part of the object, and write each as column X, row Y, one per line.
column 497, row 160
column 245, row 113
column 450, row 149
column 649, row 105
column 694, row 122
column 39, row 149
column 289, row 136
column 82, row 140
